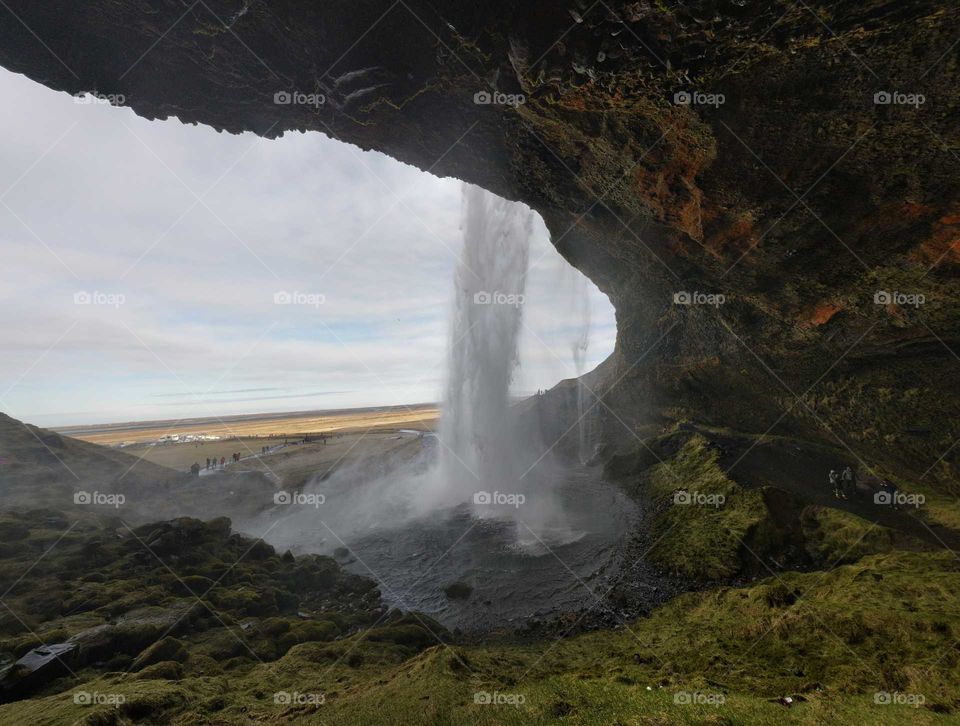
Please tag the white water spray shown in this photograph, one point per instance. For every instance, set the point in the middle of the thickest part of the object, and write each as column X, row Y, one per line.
column 479, row 452
column 579, row 345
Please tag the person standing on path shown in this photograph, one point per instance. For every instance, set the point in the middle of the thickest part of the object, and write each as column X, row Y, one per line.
column 847, row 482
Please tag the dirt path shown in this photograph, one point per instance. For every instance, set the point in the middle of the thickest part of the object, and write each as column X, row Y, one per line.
column 802, row 468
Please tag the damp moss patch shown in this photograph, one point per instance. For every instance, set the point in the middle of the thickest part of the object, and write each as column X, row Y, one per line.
column 703, row 517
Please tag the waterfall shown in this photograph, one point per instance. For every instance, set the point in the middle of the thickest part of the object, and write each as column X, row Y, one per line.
column 580, row 298
column 479, row 453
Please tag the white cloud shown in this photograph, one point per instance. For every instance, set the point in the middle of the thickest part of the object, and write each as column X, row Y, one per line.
column 110, row 208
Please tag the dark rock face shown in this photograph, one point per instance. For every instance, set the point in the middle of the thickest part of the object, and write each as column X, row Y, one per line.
column 798, row 160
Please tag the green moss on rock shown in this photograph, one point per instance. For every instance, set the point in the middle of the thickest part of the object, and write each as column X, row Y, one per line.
column 704, row 515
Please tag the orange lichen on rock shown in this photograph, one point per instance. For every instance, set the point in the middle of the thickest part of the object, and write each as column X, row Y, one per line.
column 668, row 181
column 820, row 314
column 913, row 210
column 943, row 245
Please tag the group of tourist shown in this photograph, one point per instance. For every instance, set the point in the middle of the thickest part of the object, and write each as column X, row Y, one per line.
column 842, row 483
column 844, row 486
column 214, row 464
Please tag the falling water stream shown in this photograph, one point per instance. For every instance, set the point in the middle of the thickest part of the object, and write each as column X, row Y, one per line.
column 579, row 346
column 479, row 451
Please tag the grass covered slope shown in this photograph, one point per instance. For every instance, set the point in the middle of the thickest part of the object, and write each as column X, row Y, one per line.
column 168, row 601
column 185, row 622
column 840, row 644
column 704, row 515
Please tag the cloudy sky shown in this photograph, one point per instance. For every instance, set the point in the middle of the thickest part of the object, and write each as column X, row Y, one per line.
column 180, row 237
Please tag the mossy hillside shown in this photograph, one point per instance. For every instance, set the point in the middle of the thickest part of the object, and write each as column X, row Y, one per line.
column 104, row 567
column 428, row 697
column 183, row 592
column 829, row 640
column 834, row 639
column 869, row 623
column 836, row 537
column 704, row 515
column 940, row 503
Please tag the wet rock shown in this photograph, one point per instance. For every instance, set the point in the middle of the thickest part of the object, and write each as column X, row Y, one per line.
column 261, row 550
column 37, row 668
column 458, row 591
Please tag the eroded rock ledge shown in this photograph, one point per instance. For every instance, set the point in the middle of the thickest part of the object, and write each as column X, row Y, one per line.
column 802, row 198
